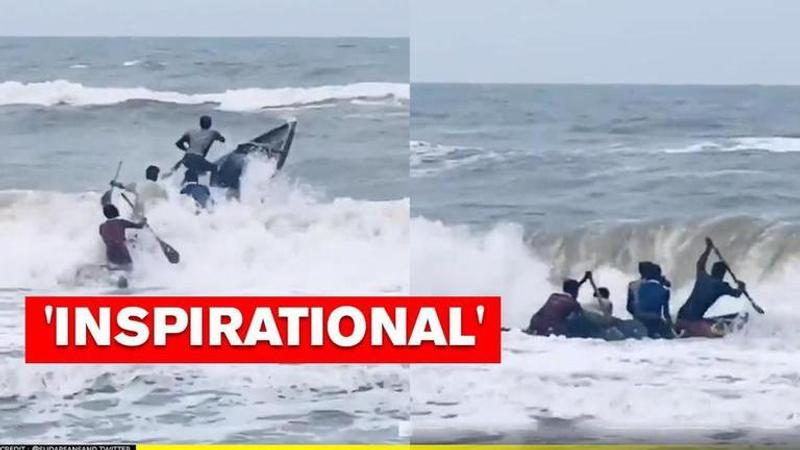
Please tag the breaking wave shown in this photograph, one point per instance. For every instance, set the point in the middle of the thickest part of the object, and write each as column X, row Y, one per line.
column 775, row 144
column 281, row 238
column 524, row 268
column 63, row 92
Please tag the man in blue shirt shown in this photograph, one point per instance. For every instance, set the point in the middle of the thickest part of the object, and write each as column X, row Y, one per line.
column 197, row 191
column 652, row 305
column 708, row 288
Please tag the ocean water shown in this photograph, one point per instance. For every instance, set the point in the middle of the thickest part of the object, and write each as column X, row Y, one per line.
column 334, row 221
column 515, row 187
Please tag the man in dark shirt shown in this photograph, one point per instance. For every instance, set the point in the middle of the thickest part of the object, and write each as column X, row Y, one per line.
column 707, row 289
column 552, row 316
column 113, row 233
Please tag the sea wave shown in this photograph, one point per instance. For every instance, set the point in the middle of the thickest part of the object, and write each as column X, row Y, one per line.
column 545, row 382
column 281, row 238
column 428, row 159
column 63, row 92
column 524, row 267
column 776, row 144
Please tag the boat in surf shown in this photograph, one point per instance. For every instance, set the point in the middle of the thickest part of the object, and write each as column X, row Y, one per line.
column 633, row 329
column 275, row 145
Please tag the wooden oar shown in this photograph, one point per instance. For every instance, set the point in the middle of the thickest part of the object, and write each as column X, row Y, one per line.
column 105, row 199
column 169, row 251
column 733, row 275
column 594, row 286
column 173, row 169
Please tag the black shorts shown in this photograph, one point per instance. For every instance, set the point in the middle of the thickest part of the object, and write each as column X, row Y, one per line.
column 199, row 164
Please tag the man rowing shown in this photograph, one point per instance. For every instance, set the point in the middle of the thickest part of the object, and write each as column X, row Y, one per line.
column 708, row 288
column 147, row 193
column 113, row 233
column 552, row 318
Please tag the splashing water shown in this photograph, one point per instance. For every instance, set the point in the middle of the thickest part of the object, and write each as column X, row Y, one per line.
column 282, row 238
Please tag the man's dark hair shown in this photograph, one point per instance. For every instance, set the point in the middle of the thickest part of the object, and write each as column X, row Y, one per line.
column 645, row 267
column 603, row 292
column 571, row 287
column 653, row 272
column 110, row 211
column 718, row 270
column 205, row 122
column 152, row 173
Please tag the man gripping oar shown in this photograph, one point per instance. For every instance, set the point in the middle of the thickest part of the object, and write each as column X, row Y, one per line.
column 148, row 192
column 736, row 280
column 113, row 233
column 708, row 288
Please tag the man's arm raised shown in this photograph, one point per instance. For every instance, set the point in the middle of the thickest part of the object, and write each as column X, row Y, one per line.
column 703, row 260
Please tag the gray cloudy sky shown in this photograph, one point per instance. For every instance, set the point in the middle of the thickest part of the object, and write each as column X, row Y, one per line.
column 380, row 18
column 606, row 41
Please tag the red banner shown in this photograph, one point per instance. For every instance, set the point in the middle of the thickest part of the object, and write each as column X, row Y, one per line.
column 125, row 329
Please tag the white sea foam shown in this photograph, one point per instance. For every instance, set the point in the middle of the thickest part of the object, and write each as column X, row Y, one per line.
column 767, row 144
column 429, row 159
column 746, row 381
column 281, row 239
column 63, row 92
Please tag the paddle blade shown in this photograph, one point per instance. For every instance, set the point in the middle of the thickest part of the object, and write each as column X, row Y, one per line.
column 753, row 303
column 172, row 255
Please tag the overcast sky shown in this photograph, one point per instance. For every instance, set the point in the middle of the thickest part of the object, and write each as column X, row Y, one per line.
column 379, row 18
column 606, row 41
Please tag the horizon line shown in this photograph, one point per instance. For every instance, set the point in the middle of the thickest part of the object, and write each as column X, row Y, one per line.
column 605, row 83
column 81, row 36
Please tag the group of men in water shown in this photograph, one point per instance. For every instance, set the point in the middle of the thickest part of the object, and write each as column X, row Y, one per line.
column 195, row 143
column 648, row 303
